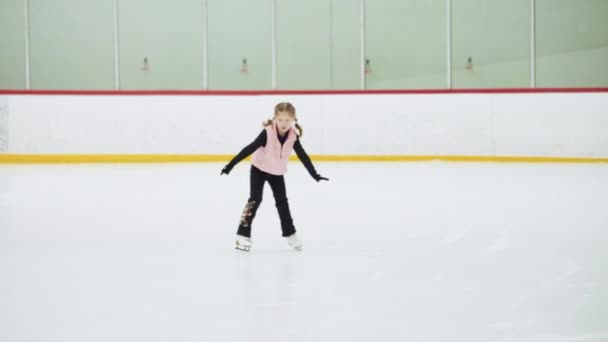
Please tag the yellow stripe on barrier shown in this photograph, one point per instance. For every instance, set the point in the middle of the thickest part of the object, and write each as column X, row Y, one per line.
column 201, row 158
column 109, row 158
column 477, row 159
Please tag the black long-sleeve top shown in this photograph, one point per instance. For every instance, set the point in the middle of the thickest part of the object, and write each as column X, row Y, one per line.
column 261, row 140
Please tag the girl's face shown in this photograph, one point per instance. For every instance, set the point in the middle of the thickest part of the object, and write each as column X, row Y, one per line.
column 284, row 121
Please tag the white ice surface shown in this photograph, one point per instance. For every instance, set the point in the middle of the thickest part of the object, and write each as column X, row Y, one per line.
column 392, row 252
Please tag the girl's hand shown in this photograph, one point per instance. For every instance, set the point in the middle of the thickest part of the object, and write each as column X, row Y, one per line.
column 320, row 178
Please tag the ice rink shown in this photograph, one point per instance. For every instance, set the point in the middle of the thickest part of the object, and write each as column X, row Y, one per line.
column 429, row 251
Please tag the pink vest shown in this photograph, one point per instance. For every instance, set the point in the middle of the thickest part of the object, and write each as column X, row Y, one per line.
column 273, row 157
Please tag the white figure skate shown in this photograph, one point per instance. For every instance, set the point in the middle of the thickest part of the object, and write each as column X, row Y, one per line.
column 295, row 242
column 243, row 243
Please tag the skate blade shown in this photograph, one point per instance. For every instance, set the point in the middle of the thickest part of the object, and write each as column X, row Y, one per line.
column 242, row 248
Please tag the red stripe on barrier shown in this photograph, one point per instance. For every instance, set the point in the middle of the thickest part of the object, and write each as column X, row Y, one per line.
column 300, row 92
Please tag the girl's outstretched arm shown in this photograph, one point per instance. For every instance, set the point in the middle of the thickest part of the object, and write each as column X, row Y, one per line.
column 246, row 152
column 305, row 159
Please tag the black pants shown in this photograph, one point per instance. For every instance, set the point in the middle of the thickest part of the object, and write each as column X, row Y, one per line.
column 277, row 183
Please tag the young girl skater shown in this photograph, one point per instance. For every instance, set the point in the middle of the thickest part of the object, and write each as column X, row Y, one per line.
column 271, row 151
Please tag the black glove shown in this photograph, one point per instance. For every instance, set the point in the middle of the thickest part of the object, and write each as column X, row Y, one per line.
column 318, row 177
column 226, row 170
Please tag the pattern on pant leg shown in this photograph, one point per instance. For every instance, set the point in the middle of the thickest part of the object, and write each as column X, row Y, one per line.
column 247, row 212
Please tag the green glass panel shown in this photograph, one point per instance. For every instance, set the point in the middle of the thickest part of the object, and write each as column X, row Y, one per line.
column 72, row 44
column 571, row 43
column 405, row 43
column 345, row 46
column 240, row 44
column 12, row 43
column 161, row 44
column 303, row 44
column 494, row 35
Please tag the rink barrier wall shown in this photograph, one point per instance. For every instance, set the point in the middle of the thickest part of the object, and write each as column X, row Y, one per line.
column 531, row 125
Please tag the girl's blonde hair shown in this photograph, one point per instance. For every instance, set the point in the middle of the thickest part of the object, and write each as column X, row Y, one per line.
column 289, row 108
